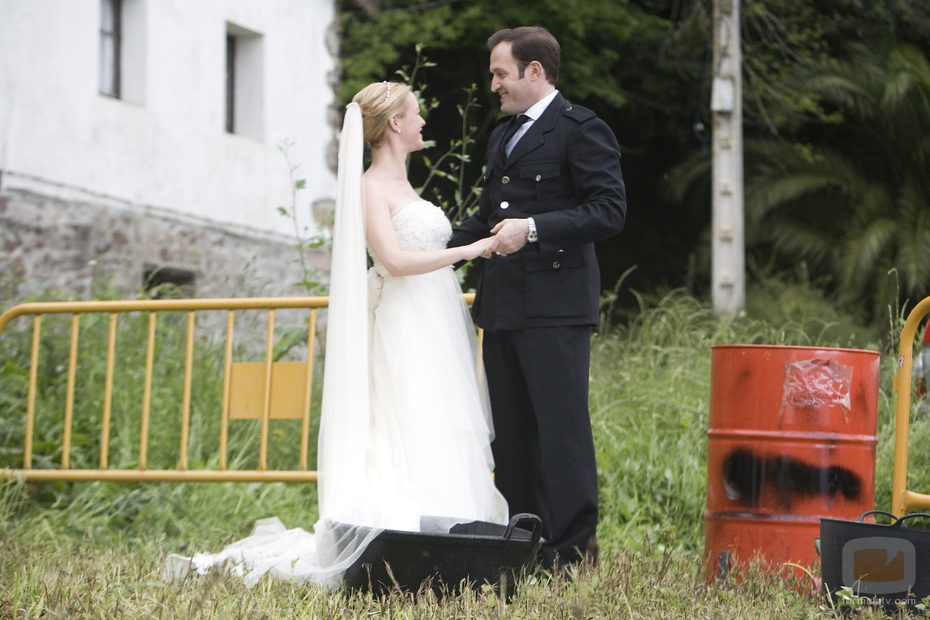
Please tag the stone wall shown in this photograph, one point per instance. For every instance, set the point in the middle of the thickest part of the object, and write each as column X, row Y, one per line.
column 78, row 246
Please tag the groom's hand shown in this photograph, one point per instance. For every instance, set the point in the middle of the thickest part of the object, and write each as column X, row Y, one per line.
column 511, row 234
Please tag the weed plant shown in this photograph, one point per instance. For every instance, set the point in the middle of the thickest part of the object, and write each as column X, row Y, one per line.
column 95, row 549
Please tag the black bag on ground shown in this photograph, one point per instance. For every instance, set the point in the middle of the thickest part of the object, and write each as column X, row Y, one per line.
column 469, row 554
column 886, row 565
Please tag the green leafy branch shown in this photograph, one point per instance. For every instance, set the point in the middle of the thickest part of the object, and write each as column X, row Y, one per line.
column 306, row 243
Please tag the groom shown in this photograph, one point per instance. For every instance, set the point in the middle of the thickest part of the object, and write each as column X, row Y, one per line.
column 552, row 187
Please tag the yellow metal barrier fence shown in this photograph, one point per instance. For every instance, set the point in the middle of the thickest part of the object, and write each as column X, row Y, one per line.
column 262, row 390
column 902, row 499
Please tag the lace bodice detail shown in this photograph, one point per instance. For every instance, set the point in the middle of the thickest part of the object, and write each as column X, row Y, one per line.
column 420, row 225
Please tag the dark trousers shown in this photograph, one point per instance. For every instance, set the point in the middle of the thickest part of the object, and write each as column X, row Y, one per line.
column 543, row 448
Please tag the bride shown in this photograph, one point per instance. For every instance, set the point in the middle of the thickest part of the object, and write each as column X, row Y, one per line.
column 405, row 446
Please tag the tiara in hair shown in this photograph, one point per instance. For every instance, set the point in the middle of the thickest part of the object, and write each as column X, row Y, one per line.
column 388, row 93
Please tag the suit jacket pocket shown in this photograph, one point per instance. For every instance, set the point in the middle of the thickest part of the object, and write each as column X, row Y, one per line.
column 540, row 170
column 545, row 177
column 556, row 285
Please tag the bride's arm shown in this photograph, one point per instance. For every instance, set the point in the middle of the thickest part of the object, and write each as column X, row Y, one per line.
column 379, row 229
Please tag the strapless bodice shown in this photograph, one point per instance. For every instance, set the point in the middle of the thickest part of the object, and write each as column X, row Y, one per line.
column 421, row 225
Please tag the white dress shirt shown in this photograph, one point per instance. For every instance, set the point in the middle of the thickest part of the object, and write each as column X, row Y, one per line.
column 534, row 112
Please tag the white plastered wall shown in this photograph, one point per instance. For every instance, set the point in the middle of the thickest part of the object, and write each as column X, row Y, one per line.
column 163, row 146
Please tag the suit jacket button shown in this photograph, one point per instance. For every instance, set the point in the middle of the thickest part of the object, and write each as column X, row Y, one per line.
column 504, row 204
column 505, row 180
column 538, row 178
column 556, row 265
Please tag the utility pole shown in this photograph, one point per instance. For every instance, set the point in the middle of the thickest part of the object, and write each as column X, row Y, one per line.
column 728, row 263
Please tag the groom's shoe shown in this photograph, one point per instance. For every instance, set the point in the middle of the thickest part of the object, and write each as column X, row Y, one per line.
column 550, row 559
column 553, row 565
column 591, row 552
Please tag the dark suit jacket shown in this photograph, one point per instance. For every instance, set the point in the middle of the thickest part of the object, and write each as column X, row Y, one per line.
column 565, row 173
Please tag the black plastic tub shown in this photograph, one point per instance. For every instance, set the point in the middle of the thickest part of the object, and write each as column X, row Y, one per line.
column 885, row 565
column 470, row 554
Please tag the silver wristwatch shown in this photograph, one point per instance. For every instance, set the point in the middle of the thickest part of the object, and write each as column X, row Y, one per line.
column 531, row 235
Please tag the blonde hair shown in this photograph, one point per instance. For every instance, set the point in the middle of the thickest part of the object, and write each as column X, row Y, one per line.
column 379, row 102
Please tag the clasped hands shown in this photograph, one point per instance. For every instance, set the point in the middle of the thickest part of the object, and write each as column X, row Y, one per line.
column 507, row 237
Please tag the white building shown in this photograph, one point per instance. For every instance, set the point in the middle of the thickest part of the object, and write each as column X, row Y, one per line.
column 144, row 136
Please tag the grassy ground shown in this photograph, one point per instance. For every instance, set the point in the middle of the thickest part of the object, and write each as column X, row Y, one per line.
column 94, row 549
column 91, row 580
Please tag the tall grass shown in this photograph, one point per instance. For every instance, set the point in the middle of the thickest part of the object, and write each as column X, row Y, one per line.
column 94, row 549
column 650, row 390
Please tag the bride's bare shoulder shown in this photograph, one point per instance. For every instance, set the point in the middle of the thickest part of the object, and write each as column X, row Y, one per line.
column 381, row 192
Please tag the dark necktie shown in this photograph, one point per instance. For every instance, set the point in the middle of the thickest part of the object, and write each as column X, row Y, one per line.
column 512, row 128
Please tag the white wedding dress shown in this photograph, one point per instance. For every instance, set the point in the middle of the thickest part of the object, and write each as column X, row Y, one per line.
column 424, row 461
column 430, row 452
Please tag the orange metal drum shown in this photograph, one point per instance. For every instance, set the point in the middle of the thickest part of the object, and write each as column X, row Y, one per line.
column 791, row 439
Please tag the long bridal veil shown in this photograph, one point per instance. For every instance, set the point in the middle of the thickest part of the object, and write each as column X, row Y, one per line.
column 345, row 527
column 345, row 416
column 347, row 521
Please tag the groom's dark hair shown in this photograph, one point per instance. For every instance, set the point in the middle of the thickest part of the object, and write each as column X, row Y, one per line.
column 529, row 43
